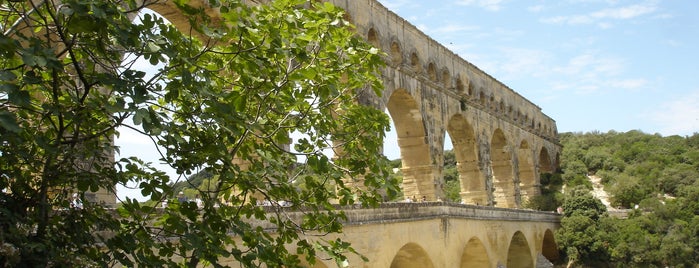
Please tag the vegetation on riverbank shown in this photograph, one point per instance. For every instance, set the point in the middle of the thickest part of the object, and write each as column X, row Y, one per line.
column 656, row 177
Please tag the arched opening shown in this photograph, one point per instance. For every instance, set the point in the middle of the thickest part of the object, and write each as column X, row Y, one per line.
column 475, row 255
column 412, row 141
column 432, row 72
column 525, row 121
column 549, row 248
column 415, row 62
column 503, row 180
column 411, row 256
column 545, row 165
column 396, row 54
column 471, row 180
column 446, row 79
column 527, row 176
column 460, row 86
column 373, row 37
column 470, row 88
column 519, row 254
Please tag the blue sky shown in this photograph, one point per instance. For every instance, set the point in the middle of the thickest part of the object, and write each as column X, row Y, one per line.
column 589, row 64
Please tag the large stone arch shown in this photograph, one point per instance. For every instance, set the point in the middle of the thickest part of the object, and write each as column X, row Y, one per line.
column 527, row 171
column 545, row 163
column 519, row 253
column 475, row 254
column 412, row 141
column 169, row 11
column 501, row 164
column 411, row 255
column 463, row 140
column 549, row 248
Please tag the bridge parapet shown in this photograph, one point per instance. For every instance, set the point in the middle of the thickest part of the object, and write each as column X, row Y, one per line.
column 435, row 234
column 441, row 234
column 399, row 212
column 387, row 213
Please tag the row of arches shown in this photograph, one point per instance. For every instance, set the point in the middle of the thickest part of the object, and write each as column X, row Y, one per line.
column 474, row 253
column 495, row 167
column 468, row 90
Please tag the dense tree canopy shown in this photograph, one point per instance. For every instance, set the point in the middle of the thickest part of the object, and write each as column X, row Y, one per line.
column 633, row 165
column 659, row 174
column 226, row 96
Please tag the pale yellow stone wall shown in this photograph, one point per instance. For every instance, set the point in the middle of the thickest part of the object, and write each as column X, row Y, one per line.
column 420, row 235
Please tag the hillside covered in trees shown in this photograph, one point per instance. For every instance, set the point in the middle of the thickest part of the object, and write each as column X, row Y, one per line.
column 655, row 176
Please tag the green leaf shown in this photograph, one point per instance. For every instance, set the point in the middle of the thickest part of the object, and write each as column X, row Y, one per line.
column 140, row 116
column 16, row 95
column 9, row 122
column 7, row 75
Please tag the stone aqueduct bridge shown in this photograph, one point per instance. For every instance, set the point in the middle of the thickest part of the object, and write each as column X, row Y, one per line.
column 502, row 142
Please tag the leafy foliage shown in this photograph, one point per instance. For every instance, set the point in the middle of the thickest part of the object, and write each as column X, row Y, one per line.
column 224, row 96
column 551, row 197
column 661, row 174
column 452, row 185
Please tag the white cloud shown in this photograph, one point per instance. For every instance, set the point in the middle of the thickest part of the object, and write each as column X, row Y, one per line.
column 627, row 12
column 537, row 8
column 591, row 72
column 672, row 43
column 591, row 65
column 679, row 116
column 455, row 28
column 524, row 62
column 629, row 83
column 490, row 5
column 616, row 13
column 604, row 25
